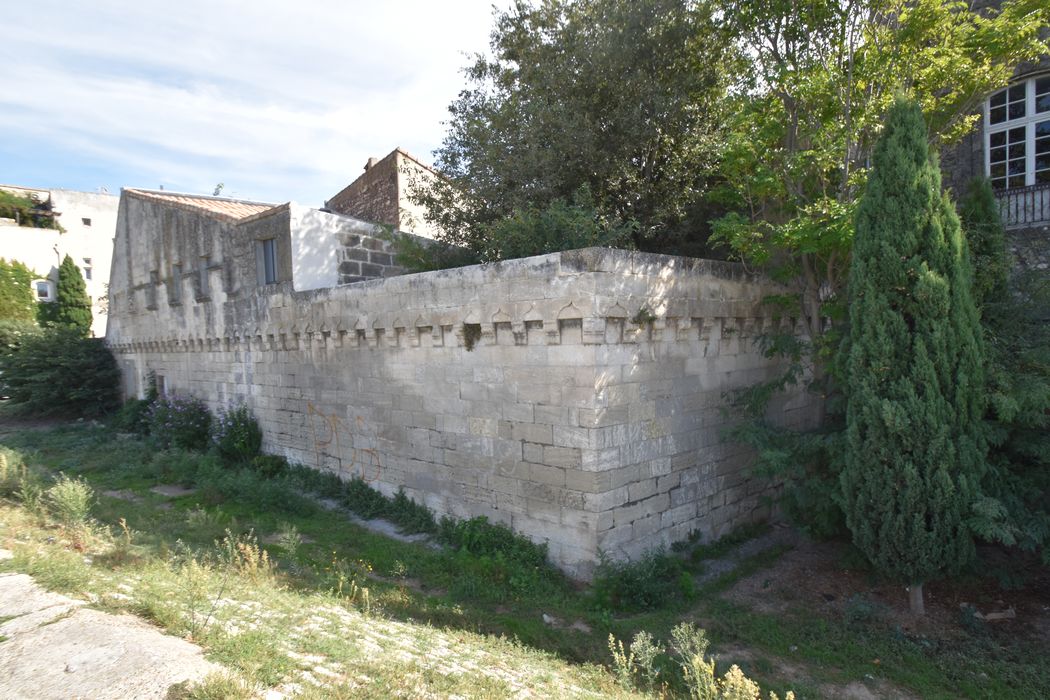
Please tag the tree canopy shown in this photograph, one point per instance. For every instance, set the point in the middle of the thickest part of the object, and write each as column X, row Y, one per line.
column 608, row 106
column 72, row 306
column 17, row 302
column 808, row 108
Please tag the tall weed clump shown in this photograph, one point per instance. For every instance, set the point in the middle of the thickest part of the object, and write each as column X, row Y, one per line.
column 682, row 665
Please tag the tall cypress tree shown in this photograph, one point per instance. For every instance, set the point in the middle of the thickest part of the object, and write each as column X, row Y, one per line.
column 914, row 375
column 72, row 306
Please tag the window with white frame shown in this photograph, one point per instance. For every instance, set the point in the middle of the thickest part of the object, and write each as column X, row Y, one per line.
column 1017, row 134
column 45, row 290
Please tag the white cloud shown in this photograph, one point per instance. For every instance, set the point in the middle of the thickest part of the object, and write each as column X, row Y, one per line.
column 277, row 100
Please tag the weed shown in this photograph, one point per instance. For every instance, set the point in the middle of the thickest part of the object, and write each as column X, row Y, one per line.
column 480, row 537
column 69, row 500
column 215, row 686
column 623, row 663
column 236, row 435
column 654, row 580
column 471, row 335
column 411, row 516
column 644, row 317
column 243, row 555
column 12, row 471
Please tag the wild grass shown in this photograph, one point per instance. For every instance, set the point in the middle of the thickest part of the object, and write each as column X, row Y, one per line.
column 275, row 589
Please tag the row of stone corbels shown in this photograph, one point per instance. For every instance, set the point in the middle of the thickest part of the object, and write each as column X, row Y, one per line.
column 613, row 329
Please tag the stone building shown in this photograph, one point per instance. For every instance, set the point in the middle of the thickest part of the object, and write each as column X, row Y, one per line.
column 577, row 397
column 383, row 193
column 88, row 220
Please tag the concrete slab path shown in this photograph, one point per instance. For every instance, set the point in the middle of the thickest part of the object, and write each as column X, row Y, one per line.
column 53, row 647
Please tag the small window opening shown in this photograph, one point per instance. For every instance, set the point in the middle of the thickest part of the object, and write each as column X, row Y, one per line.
column 86, row 221
column 268, row 261
column 175, row 290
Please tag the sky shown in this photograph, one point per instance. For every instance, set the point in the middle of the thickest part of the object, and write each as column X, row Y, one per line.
column 278, row 101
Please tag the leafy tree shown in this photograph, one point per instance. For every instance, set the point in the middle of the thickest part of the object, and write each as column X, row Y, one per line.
column 72, row 306
column 803, row 119
column 915, row 385
column 620, row 97
column 17, row 302
column 807, row 111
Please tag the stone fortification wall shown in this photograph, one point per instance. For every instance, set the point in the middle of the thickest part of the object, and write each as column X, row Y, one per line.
column 577, row 397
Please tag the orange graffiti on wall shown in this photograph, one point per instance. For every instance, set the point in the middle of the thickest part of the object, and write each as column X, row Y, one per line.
column 334, row 438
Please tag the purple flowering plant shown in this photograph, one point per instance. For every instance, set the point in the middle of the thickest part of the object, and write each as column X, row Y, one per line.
column 179, row 421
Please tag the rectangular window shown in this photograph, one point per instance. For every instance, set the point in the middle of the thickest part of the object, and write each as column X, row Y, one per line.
column 1042, row 152
column 202, row 276
column 43, row 290
column 87, row 268
column 175, row 289
column 267, row 261
column 85, row 221
column 1006, row 158
column 1042, row 95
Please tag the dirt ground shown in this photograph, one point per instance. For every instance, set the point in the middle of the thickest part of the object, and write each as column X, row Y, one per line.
column 828, row 577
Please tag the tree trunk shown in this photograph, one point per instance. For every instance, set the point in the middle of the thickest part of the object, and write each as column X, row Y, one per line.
column 918, row 606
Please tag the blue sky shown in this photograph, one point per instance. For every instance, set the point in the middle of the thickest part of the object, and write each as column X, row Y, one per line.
column 277, row 100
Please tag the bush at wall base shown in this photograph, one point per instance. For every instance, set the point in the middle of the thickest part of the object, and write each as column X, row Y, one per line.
column 180, row 421
column 236, row 434
column 60, row 372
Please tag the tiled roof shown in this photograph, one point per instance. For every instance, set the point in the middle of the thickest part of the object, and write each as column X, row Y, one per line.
column 229, row 209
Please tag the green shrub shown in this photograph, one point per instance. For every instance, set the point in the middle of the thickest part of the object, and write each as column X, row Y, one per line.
column 269, row 465
column 655, row 580
column 236, row 434
column 480, row 537
column 411, row 516
column 364, row 500
column 14, row 333
column 181, row 422
column 324, row 484
column 133, row 417
column 69, row 500
column 60, row 372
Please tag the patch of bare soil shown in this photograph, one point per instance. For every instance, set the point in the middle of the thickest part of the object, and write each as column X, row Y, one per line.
column 816, row 576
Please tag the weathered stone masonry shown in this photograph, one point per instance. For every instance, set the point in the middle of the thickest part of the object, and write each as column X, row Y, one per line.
column 531, row 391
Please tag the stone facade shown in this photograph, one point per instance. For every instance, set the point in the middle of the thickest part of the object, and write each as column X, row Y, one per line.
column 577, row 397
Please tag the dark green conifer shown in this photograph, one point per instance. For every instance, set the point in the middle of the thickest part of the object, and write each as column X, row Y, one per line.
column 915, row 446
column 986, row 240
column 72, row 306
